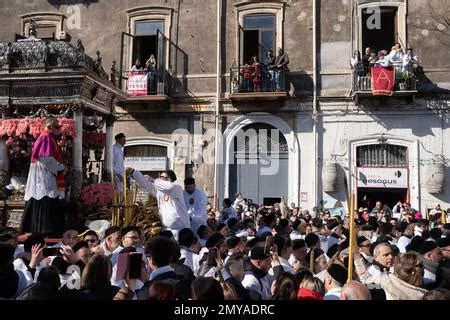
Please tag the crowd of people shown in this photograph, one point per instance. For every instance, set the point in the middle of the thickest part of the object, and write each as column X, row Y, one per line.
column 406, row 64
column 265, row 76
column 244, row 251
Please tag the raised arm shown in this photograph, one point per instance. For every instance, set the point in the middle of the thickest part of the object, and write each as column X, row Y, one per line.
column 144, row 183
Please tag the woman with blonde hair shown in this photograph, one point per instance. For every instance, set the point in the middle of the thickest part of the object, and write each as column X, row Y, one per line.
column 406, row 282
column 311, row 288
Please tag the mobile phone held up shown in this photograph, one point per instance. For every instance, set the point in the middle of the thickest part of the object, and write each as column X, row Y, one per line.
column 131, row 263
column 51, row 252
column 269, row 244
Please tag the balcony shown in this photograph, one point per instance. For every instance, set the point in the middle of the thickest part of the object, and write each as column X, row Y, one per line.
column 145, row 86
column 405, row 84
column 263, row 85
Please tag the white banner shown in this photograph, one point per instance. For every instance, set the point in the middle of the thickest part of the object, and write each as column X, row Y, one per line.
column 146, row 163
column 137, row 84
column 383, row 178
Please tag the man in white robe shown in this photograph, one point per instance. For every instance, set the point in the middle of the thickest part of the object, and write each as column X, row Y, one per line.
column 196, row 202
column 172, row 210
column 118, row 161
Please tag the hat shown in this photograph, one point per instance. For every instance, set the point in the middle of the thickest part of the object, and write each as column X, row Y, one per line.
column 317, row 253
column 415, row 243
column 361, row 239
column 258, row 253
column 189, row 181
column 298, row 244
column 214, row 240
column 111, row 230
column 332, row 224
column 332, row 250
column 338, row 273
column 232, row 242
column 207, row 288
column 443, row 242
column 186, row 237
column 427, row 246
column 119, row 136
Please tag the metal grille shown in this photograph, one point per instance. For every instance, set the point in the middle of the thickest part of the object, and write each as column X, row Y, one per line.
column 257, row 138
column 382, row 155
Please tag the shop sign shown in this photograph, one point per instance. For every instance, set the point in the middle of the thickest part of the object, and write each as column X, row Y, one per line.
column 396, row 178
column 146, row 163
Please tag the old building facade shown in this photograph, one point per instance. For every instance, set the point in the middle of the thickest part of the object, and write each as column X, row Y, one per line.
column 322, row 126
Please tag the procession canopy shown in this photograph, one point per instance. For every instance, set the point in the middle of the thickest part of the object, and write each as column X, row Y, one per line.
column 44, row 78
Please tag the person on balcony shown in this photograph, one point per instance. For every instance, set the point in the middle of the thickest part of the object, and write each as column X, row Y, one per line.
column 410, row 61
column 150, row 67
column 396, row 59
column 365, row 60
column 358, row 68
column 45, row 184
column 269, row 74
column 257, row 74
column 247, row 72
column 280, row 67
column 137, row 67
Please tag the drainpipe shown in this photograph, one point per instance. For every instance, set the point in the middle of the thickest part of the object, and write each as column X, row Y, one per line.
column 217, row 113
column 314, row 116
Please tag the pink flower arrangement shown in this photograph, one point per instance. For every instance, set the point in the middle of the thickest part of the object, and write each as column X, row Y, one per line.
column 34, row 127
column 94, row 139
column 68, row 127
column 8, row 127
column 97, row 194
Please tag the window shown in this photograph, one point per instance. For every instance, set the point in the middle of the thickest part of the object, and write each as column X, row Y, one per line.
column 382, row 155
column 381, row 24
column 259, row 32
column 257, row 139
column 145, row 151
column 260, row 28
column 145, row 40
column 382, row 38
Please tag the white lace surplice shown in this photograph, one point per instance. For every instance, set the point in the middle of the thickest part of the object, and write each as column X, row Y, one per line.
column 41, row 180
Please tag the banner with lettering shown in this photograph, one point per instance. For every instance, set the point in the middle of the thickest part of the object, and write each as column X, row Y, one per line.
column 137, row 84
column 383, row 81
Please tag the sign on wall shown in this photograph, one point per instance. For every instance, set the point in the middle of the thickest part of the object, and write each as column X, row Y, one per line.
column 382, row 178
column 146, row 163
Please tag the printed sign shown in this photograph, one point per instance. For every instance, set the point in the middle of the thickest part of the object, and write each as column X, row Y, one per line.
column 396, row 178
column 137, row 84
column 146, row 163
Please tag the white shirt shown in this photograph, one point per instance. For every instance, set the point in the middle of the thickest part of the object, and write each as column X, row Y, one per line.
column 262, row 286
column 402, row 243
column 333, row 294
column 41, row 179
column 286, row 267
column 108, row 253
column 118, row 164
column 172, row 209
column 196, row 204
column 191, row 259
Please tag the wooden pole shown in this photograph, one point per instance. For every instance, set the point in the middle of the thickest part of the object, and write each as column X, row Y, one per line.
column 113, row 215
column 352, row 240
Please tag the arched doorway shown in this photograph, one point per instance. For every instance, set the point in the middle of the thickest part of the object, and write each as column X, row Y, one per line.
column 285, row 181
column 260, row 164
